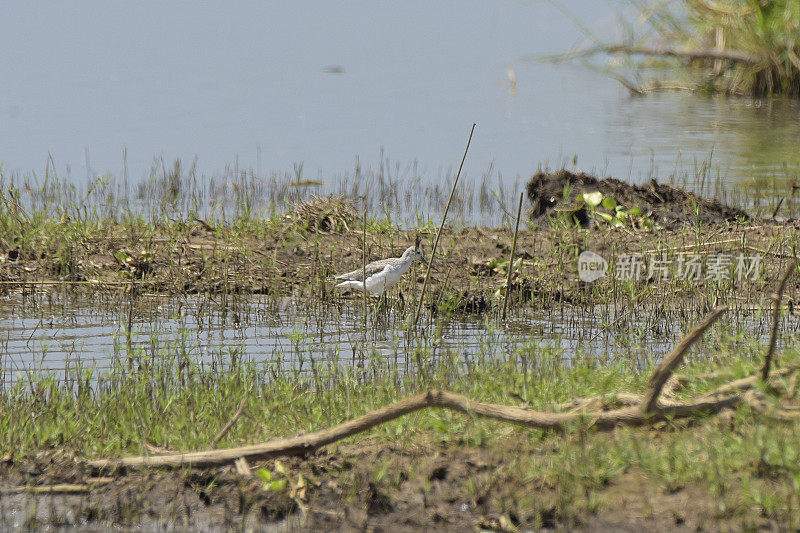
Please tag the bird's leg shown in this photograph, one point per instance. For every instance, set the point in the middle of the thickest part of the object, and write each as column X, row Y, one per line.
column 378, row 312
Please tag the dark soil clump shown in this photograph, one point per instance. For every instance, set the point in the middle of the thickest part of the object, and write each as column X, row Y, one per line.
column 667, row 206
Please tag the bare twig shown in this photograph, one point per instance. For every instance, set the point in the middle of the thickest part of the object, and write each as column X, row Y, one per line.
column 224, row 431
column 671, row 361
column 777, row 296
column 441, row 226
column 777, row 207
column 62, row 488
column 709, row 53
column 511, row 260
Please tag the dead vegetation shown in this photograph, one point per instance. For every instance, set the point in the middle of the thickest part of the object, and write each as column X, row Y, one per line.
column 335, row 213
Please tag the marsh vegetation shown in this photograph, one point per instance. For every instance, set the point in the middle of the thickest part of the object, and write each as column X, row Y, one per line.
column 200, row 306
column 731, row 47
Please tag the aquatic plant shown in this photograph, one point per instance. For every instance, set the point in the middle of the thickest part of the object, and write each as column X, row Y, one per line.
column 741, row 47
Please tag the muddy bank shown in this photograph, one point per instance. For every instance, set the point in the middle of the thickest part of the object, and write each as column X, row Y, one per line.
column 469, row 275
column 299, row 254
column 383, row 487
column 668, row 206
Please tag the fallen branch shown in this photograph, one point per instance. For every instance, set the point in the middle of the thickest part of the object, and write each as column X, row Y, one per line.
column 759, row 404
column 777, row 296
column 224, row 431
column 604, row 403
column 743, row 384
column 692, row 55
column 63, row 488
column 305, row 444
column 636, row 410
column 668, row 365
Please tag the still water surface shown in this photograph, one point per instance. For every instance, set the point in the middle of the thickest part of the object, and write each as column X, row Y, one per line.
column 56, row 331
column 265, row 86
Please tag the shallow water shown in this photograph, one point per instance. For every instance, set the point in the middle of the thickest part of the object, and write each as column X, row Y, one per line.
column 56, row 331
column 268, row 86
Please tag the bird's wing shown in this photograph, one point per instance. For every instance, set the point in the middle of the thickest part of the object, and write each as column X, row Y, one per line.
column 378, row 281
column 358, row 274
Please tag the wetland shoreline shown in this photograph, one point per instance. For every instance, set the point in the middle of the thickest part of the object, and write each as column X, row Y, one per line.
column 432, row 469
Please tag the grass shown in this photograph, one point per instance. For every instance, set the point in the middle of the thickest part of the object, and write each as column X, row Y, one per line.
column 746, row 463
column 767, row 31
column 161, row 394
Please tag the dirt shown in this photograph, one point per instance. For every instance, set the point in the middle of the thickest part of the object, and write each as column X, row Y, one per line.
column 299, row 257
column 667, row 206
column 364, row 486
column 469, row 272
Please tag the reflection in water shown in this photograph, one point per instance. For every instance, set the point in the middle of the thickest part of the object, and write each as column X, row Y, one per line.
column 754, row 142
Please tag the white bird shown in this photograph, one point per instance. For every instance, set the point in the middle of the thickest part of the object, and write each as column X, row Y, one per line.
column 382, row 274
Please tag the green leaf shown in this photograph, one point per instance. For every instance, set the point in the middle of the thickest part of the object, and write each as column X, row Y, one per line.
column 634, row 211
column 279, row 485
column 609, row 203
column 496, row 262
column 592, row 199
column 606, row 217
column 264, row 474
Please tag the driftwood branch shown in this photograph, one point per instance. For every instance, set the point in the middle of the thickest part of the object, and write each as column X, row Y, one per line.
column 606, row 402
column 707, row 54
column 305, row 444
column 668, row 365
column 61, row 488
column 224, row 431
column 777, row 296
column 746, row 383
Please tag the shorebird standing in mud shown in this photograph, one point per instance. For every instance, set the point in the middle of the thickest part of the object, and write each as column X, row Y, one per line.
column 381, row 275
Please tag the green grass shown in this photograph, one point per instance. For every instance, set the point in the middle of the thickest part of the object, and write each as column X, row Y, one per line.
column 746, row 462
column 762, row 37
column 767, row 30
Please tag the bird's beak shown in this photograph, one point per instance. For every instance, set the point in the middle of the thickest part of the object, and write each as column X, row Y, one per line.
column 422, row 258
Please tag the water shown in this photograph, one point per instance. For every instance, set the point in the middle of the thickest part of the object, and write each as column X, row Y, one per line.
column 62, row 329
column 103, row 88
column 268, row 86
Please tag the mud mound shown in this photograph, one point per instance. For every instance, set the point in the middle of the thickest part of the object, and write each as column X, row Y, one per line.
column 666, row 205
